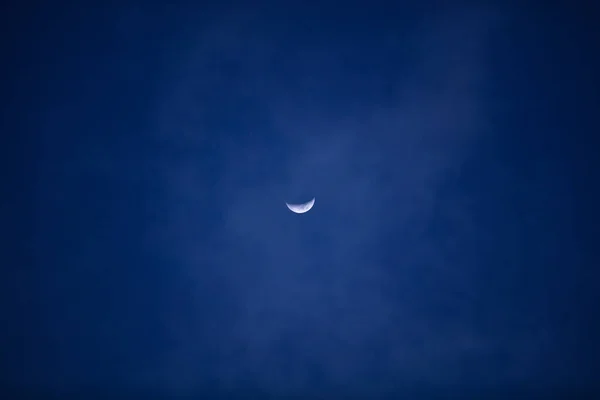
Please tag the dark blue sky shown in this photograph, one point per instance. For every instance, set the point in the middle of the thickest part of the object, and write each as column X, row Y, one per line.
column 151, row 152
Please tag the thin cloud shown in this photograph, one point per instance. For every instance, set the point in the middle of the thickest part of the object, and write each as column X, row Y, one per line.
column 317, row 286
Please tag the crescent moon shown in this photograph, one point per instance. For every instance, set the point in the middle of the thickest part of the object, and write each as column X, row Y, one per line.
column 301, row 208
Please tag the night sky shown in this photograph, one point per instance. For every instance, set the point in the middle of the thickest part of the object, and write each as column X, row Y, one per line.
column 149, row 153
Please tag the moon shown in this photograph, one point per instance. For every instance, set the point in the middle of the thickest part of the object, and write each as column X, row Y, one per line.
column 301, row 208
